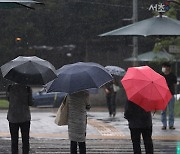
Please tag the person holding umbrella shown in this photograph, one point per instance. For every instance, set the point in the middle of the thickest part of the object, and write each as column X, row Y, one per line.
column 77, row 80
column 140, row 123
column 171, row 80
column 146, row 91
column 78, row 103
column 24, row 71
column 111, row 89
column 19, row 117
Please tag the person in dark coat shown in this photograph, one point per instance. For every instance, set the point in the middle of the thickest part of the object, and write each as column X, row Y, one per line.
column 140, row 123
column 19, row 117
column 111, row 89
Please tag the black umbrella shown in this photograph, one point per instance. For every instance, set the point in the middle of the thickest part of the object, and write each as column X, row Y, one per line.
column 29, row 70
column 79, row 76
column 18, row 3
column 159, row 25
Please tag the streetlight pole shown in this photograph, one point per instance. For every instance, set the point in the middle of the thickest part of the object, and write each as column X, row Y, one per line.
column 135, row 39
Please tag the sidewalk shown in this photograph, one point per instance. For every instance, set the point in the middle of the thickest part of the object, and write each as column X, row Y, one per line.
column 104, row 135
column 100, row 126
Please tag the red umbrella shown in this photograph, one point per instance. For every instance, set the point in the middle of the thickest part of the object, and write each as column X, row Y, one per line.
column 146, row 88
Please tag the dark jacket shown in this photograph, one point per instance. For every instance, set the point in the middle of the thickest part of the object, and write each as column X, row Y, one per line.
column 20, row 97
column 171, row 80
column 109, row 87
column 136, row 116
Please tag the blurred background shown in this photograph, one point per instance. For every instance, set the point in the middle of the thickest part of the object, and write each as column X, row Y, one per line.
column 66, row 31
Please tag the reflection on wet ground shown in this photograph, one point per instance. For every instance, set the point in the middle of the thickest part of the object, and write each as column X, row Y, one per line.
column 104, row 134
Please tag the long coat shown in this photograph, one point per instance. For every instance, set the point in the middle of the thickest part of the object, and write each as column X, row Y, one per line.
column 136, row 116
column 77, row 116
column 20, row 97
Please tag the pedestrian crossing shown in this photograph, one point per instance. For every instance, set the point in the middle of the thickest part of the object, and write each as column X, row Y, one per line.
column 94, row 146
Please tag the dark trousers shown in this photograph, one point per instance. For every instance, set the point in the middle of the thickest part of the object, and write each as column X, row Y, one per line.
column 136, row 140
column 111, row 103
column 82, row 147
column 14, row 131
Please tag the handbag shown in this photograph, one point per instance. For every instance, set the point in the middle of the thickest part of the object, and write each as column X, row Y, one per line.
column 62, row 114
column 115, row 88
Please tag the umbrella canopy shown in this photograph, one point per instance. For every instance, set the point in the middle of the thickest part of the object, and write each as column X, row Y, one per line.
column 115, row 70
column 159, row 25
column 152, row 56
column 18, row 3
column 29, row 70
column 79, row 76
column 146, row 88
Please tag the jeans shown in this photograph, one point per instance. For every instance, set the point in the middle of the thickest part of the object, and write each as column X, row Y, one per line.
column 111, row 103
column 170, row 107
column 82, row 147
column 136, row 139
column 14, row 131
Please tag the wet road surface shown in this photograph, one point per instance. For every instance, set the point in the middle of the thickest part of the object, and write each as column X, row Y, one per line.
column 104, row 134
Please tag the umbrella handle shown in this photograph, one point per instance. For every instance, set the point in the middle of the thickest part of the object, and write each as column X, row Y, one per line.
column 154, row 113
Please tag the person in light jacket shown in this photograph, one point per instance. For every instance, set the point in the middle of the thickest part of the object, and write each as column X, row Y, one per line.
column 140, row 123
column 19, row 117
column 77, row 120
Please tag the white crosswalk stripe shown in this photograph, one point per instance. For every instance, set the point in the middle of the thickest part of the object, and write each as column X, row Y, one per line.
column 94, row 146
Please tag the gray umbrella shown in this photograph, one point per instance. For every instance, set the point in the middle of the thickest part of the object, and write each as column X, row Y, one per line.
column 153, row 56
column 115, row 70
column 159, row 25
column 18, row 3
column 79, row 76
column 29, row 70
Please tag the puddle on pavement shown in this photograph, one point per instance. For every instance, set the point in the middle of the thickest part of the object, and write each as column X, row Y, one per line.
column 89, row 115
column 35, row 119
column 52, row 116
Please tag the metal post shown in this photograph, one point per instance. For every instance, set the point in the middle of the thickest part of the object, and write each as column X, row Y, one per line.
column 135, row 39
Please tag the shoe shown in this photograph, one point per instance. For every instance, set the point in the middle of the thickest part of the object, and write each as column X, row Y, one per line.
column 114, row 114
column 163, row 128
column 172, row 127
